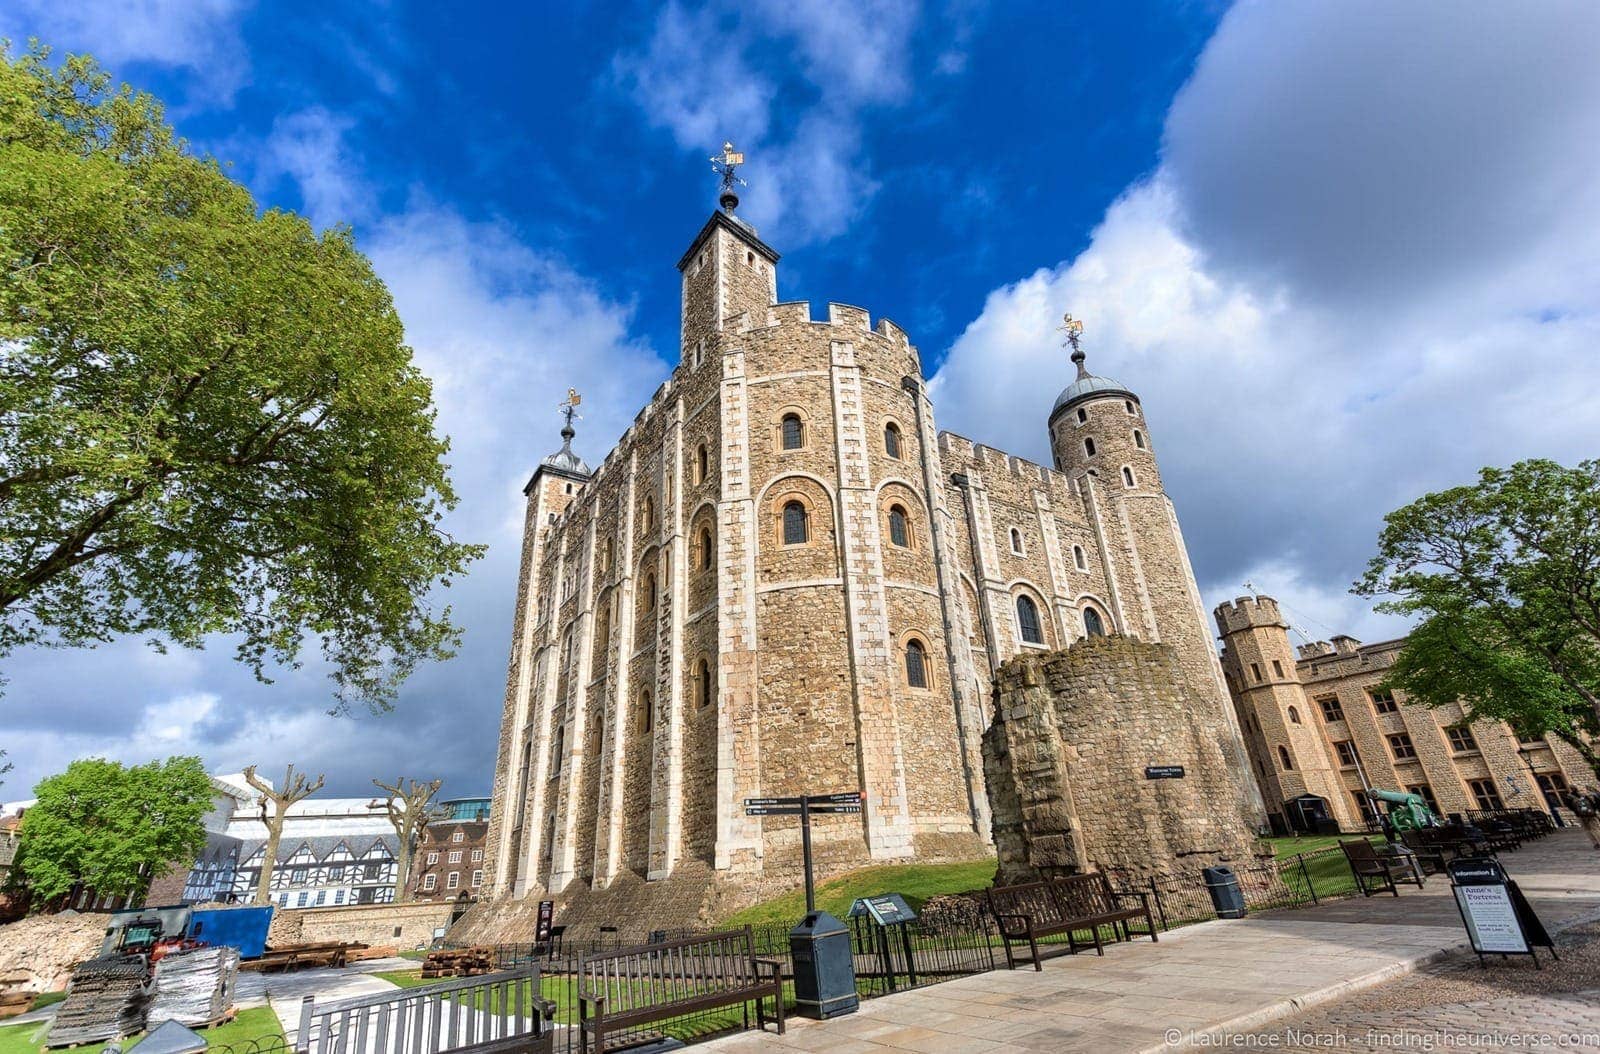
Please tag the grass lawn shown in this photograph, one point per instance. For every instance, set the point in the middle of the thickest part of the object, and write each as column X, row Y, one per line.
column 250, row 1024
column 1310, row 843
column 915, row 882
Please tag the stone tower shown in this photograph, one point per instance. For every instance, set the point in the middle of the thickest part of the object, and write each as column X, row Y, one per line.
column 1101, row 441
column 1291, row 759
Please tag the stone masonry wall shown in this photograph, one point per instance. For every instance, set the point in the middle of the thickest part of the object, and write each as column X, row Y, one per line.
column 1065, row 764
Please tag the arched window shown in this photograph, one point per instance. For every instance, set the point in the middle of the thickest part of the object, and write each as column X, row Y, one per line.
column 702, row 464
column 1088, row 445
column 1078, row 559
column 649, row 513
column 1127, row 476
column 647, row 712
column 916, row 664
column 1138, row 439
column 1284, row 759
column 1093, row 625
column 899, row 530
column 708, row 551
column 602, row 629
column 795, row 528
column 702, row 684
column 1128, row 405
column 650, row 591
column 1028, row 621
column 1083, row 415
column 794, row 432
column 1294, row 715
column 1016, row 541
column 606, row 554
column 891, row 440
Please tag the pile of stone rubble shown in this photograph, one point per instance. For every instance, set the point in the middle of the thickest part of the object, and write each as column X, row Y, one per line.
column 48, row 947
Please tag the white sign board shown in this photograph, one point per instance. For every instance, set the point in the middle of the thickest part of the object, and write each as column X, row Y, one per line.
column 1491, row 920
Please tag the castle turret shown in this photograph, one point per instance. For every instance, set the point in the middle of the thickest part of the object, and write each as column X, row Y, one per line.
column 1101, row 441
column 1291, row 761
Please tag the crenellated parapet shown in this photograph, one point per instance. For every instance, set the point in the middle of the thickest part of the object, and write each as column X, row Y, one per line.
column 1245, row 613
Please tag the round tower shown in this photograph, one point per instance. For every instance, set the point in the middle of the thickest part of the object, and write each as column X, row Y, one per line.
column 1101, row 441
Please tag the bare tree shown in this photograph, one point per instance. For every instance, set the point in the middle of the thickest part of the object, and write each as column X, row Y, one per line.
column 295, row 787
column 407, row 807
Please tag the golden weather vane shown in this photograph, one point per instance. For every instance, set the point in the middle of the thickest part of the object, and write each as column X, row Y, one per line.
column 1073, row 328
column 726, row 165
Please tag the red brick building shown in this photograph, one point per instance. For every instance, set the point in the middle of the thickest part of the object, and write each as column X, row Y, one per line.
column 449, row 864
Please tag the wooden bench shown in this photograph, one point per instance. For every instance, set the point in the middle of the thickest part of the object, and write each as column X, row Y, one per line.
column 629, row 987
column 1377, row 869
column 1066, row 905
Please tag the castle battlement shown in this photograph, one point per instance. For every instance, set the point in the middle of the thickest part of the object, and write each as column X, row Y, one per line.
column 1245, row 613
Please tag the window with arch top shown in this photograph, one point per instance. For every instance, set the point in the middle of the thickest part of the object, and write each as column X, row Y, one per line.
column 649, row 512
column 647, row 712
column 702, row 684
column 1127, row 476
column 1088, row 445
column 1093, row 624
column 1294, row 715
column 916, row 664
column 891, row 440
column 708, row 549
column 1138, row 439
column 650, row 591
column 794, row 432
column 1016, row 541
column 1083, row 415
column 899, row 528
column 1028, row 621
column 702, row 464
column 1285, row 760
column 1078, row 559
column 796, row 530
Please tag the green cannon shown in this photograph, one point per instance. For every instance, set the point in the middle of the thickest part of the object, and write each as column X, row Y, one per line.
column 1407, row 812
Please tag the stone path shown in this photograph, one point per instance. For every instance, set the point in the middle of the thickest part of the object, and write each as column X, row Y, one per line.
column 1199, row 982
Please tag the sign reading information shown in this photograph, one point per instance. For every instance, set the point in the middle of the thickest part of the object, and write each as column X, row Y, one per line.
column 1498, row 918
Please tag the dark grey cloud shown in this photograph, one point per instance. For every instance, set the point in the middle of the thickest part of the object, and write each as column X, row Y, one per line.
column 1365, row 267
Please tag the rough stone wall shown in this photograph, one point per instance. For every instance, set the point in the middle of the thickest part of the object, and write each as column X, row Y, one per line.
column 1065, row 763
column 1347, row 675
column 401, row 925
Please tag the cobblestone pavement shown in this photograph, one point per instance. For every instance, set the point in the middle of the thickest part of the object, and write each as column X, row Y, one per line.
column 1455, row 1004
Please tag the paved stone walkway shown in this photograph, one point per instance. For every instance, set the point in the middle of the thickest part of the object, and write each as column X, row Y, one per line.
column 1198, row 982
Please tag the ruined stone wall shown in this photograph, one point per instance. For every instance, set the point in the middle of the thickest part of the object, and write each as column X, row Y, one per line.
column 1065, row 762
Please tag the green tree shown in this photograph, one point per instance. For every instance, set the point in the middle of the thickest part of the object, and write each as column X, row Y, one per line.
column 112, row 828
column 209, row 420
column 1505, row 575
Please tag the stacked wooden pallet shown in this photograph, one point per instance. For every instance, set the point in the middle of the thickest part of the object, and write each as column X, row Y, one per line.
column 463, row 962
column 195, row 987
column 105, row 1000
column 15, row 998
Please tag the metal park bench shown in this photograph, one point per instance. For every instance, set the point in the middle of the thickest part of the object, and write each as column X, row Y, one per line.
column 1066, row 905
column 629, row 987
column 1377, row 870
column 488, row 1014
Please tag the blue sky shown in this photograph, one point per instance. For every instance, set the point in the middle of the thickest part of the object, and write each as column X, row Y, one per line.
column 1345, row 252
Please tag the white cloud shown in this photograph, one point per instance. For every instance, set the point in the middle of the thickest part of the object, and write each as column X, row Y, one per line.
column 199, row 36
column 1323, row 317
column 725, row 71
column 308, row 149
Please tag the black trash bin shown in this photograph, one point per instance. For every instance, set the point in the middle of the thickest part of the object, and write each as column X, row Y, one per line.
column 824, row 967
column 1226, row 896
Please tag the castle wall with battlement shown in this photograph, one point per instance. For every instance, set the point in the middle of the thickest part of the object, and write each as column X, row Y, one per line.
column 678, row 648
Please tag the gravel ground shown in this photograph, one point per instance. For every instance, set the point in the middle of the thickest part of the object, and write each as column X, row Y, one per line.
column 1454, row 1004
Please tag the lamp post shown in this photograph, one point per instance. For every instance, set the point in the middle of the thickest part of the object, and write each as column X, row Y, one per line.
column 1533, row 774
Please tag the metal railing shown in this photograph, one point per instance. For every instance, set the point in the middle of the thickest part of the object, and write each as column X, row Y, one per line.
column 500, row 1011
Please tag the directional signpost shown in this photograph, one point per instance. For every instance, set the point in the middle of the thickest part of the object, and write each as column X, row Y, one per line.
column 804, row 806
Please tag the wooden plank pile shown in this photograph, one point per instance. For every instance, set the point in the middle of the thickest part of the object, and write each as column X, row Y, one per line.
column 105, row 1000
column 361, row 955
column 464, row 962
column 195, row 987
column 15, row 998
column 296, row 956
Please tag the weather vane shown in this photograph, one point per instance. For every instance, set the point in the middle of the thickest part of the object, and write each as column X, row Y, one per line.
column 726, row 165
column 1073, row 328
column 569, row 409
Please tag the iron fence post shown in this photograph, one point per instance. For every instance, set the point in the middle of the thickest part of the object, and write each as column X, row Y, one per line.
column 1161, row 909
column 1306, row 872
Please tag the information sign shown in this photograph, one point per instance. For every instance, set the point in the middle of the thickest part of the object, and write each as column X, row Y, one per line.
column 1163, row 772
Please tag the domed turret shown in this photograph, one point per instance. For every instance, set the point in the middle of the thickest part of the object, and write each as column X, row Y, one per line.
column 1086, row 386
column 565, row 460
